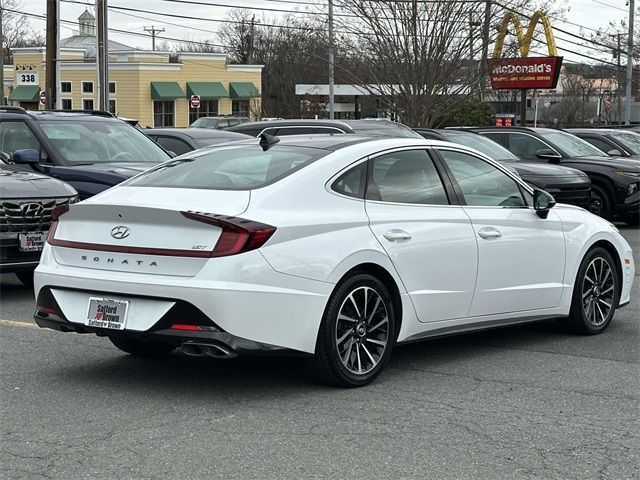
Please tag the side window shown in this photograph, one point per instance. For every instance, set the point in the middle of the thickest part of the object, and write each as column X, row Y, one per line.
column 326, row 130
column 174, row 145
column 16, row 136
column 481, row 183
column 352, row 182
column 224, row 123
column 601, row 144
column 233, row 122
column 406, row 177
column 525, row 146
column 295, row 131
column 497, row 137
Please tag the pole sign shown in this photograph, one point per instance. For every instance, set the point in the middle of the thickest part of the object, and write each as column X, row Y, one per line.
column 195, row 101
column 521, row 73
column 43, row 98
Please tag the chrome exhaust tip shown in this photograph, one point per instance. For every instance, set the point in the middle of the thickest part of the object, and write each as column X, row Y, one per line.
column 214, row 350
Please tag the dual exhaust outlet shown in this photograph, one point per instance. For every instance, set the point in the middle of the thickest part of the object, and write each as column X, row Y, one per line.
column 202, row 349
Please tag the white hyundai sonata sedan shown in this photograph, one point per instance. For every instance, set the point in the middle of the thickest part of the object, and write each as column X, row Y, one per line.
column 334, row 247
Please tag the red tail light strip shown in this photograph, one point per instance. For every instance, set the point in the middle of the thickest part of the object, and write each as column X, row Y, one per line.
column 238, row 236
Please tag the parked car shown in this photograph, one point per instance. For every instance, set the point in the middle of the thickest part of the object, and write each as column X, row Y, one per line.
column 218, row 122
column 567, row 185
column 372, row 127
column 26, row 202
column 615, row 181
column 183, row 140
column 335, row 247
column 91, row 151
column 614, row 142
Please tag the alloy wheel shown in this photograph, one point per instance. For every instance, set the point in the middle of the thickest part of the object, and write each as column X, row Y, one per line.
column 598, row 290
column 362, row 330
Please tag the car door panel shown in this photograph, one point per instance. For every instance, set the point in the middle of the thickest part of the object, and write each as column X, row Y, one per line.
column 439, row 275
column 521, row 257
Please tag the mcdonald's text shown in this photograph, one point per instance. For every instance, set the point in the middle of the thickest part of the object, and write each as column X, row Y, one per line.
column 524, row 73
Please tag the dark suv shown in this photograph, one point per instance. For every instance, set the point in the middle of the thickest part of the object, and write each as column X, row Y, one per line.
column 90, row 150
column 615, row 181
column 613, row 141
column 26, row 202
column 367, row 128
column 567, row 185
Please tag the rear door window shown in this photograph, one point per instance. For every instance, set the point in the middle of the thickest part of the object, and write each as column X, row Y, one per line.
column 173, row 144
column 406, row 177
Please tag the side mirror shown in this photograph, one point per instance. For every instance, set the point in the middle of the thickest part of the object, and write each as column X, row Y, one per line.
column 549, row 155
column 614, row 153
column 26, row 156
column 542, row 202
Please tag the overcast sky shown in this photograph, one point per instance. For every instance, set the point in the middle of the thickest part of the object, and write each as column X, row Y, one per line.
column 590, row 14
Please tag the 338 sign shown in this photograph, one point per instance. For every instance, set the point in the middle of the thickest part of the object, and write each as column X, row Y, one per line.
column 28, row 77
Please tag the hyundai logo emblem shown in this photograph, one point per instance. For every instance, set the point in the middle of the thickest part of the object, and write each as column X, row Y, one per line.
column 31, row 209
column 120, row 232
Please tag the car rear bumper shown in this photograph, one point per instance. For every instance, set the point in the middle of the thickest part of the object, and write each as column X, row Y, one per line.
column 238, row 295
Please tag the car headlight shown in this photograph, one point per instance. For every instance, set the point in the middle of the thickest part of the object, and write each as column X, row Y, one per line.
column 625, row 173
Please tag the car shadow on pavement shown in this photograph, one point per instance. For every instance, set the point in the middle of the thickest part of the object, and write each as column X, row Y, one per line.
column 274, row 375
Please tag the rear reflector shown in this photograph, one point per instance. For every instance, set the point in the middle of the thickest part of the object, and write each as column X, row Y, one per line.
column 187, row 327
column 238, row 235
column 46, row 310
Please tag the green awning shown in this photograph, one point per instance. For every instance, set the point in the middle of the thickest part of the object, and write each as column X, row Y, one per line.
column 25, row 93
column 166, row 91
column 207, row 90
column 243, row 90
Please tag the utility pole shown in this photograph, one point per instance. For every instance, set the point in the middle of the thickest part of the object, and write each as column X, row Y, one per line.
column 252, row 38
column 153, row 31
column 627, row 98
column 331, row 61
column 618, row 79
column 50, row 55
column 103, row 55
column 1, row 59
column 486, row 24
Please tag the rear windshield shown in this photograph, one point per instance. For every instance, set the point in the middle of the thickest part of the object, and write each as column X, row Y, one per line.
column 238, row 167
column 483, row 144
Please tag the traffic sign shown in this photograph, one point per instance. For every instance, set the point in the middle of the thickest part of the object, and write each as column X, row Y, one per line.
column 43, row 98
column 195, row 101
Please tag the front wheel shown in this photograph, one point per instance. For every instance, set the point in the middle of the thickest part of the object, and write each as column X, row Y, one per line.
column 600, row 203
column 595, row 293
column 142, row 348
column 357, row 333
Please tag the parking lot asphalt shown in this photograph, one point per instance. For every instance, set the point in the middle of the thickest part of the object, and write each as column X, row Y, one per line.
column 521, row 402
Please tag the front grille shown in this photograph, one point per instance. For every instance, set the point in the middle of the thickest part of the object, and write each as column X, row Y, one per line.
column 28, row 215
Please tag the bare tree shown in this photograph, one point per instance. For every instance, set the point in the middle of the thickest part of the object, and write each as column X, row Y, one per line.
column 16, row 31
column 575, row 106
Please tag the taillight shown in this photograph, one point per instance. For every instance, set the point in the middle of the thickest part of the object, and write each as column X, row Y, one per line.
column 56, row 213
column 238, row 235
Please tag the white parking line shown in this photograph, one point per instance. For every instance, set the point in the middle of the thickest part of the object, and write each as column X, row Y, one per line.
column 15, row 323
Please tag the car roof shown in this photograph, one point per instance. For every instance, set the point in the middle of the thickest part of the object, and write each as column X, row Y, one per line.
column 598, row 130
column 516, row 128
column 85, row 115
column 291, row 122
column 197, row 132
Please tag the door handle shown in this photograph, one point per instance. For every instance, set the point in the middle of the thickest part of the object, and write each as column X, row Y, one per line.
column 489, row 232
column 395, row 235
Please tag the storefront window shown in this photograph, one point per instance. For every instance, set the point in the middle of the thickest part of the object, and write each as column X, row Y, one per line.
column 163, row 113
column 208, row 108
column 67, row 104
column 240, row 108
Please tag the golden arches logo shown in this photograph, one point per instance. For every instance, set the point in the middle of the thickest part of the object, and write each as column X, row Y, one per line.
column 524, row 40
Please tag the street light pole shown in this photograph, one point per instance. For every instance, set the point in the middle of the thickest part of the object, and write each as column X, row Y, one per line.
column 1, row 59
column 627, row 98
column 103, row 55
column 331, row 60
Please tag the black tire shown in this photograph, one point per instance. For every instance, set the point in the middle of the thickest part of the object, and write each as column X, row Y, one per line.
column 365, row 337
column 25, row 277
column 142, row 348
column 592, row 292
column 601, row 203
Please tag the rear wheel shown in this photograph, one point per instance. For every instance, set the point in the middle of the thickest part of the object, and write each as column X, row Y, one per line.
column 357, row 333
column 142, row 348
column 595, row 293
column 25, row 277
column 601, row 203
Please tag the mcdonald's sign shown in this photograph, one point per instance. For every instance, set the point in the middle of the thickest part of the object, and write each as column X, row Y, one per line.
column 524, row 72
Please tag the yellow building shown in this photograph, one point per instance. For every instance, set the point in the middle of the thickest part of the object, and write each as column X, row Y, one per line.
column 153, row 87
